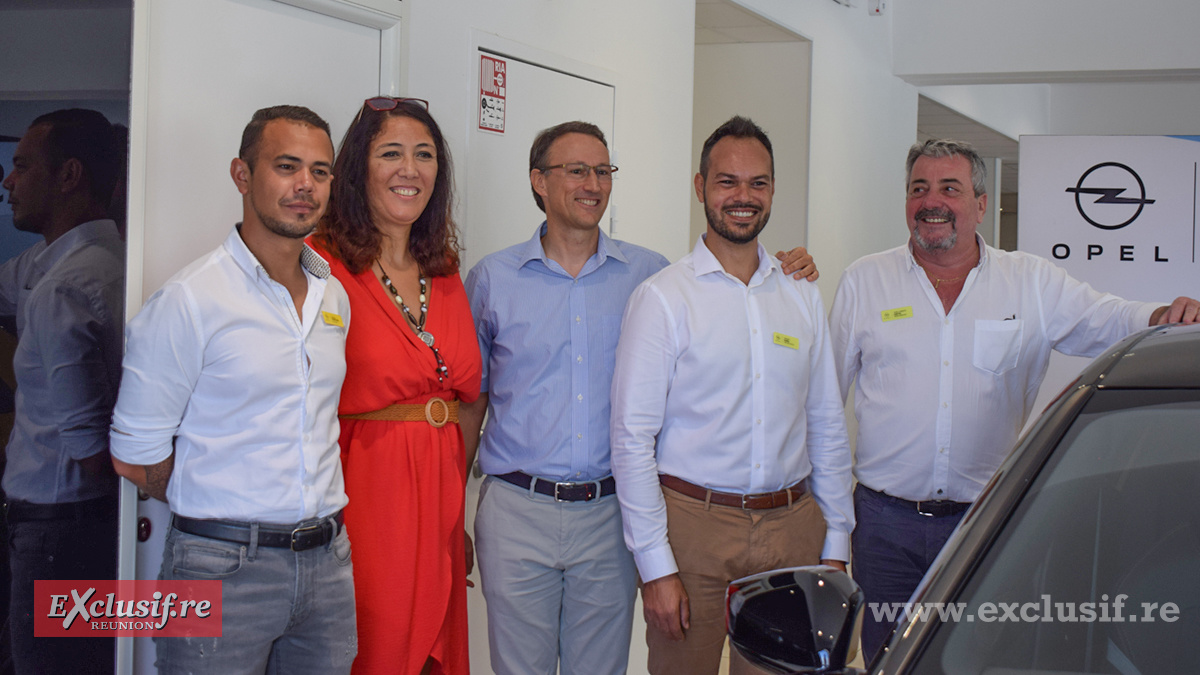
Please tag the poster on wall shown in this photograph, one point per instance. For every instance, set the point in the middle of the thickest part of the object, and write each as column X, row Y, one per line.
column 1118, row 212
column 493, row 85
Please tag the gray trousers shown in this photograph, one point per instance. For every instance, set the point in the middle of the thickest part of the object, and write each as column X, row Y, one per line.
column 559, row 583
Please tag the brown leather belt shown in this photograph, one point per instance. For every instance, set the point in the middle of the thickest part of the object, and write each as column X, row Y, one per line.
column 437, row 411
column 762, row 500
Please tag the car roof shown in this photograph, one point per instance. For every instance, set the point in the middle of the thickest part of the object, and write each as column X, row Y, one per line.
column 1165, row 357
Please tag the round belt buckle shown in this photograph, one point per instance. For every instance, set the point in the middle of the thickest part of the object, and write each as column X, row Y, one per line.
column 429, row 412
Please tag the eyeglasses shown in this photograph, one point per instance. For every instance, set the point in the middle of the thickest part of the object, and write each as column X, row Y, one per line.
column 386, row 103
column 579, row 171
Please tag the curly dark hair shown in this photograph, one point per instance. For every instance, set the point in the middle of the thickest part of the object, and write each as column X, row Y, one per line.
column 347, row 232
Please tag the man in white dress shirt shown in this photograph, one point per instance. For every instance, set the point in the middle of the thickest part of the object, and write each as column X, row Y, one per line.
column 728, row 440
column 228, row 412
column 948, row 340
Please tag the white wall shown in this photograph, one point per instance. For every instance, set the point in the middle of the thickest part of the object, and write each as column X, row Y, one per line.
column 1158, row 108
column 767, row 82
column 1011, row 109
column 955, row 41
column 863, row 119
column 648, row 44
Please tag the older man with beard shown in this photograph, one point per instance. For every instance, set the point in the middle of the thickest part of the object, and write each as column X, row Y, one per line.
column 948, row 339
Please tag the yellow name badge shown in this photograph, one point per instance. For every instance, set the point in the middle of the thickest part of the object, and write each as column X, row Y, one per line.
column 898, row 313
column 332, row 319
column 787, row 341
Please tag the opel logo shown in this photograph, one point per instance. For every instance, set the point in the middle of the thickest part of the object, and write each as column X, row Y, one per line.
column 1115, row 206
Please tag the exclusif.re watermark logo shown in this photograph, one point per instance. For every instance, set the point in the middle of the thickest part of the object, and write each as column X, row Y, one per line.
column 83, row 608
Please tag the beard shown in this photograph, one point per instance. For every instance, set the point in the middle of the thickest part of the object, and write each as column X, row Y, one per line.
column 945, row 243
column 291, row 230
column 737, row 234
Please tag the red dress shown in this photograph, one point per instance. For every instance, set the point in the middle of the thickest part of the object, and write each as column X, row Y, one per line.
column 405, row 479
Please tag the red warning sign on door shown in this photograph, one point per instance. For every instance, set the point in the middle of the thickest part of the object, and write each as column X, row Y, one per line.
column 493, row 83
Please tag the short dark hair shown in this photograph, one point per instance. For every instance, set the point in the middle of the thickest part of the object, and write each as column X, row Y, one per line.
column 347, row 232
column 252, row 134
column 87, row 136
column 945, row 147
column 546, row 138
column 736, row 127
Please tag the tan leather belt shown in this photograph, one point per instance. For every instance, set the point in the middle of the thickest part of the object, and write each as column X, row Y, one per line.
column 437, row 411
column 762, row 500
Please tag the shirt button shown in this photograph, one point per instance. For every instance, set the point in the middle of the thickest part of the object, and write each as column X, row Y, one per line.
column 579, row 359
column 943, row 451
column 754, row 330
column 757, row 375
column 945, row 405
column 577, row 319
column 579, row 436
column 947, row 323
column 579, row 397
column 945, row 363
column 939, row 492
column 758, row 466
column 758, row 421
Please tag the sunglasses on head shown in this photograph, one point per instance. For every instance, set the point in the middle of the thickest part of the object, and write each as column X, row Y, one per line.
column 386, row 103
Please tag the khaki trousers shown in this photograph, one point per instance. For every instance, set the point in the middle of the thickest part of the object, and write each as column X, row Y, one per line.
column 714, row 545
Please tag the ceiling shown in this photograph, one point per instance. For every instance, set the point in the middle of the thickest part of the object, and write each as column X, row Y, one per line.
column 722, row 22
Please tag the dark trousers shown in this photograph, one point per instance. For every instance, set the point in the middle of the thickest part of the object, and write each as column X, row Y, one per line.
column 893, row 546
column 67, row 548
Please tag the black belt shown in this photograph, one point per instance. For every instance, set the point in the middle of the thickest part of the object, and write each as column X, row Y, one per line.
column 563, row 492
column 936, row 508
column 299, row 537
column 100, row 508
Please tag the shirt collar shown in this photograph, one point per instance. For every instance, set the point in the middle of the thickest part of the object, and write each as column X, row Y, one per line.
column 309, row 259
column 704, row 262
column 984, row 253
column 533, row 250
column 77, row 236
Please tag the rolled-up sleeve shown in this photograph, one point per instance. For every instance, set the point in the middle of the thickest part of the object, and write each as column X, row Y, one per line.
column 163, row 358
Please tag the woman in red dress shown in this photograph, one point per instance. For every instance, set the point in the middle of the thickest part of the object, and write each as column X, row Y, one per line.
column 411, row 355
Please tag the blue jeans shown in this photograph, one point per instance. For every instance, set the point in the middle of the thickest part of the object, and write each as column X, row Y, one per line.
column 559, row 582
column 893, row 547
column 281, row 611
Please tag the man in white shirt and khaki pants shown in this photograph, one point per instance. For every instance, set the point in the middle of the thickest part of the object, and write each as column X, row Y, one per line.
column 948, row 340
column 228, row 412
column 729, row 443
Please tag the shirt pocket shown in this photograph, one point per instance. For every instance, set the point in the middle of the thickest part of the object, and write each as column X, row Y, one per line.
column 997, row 344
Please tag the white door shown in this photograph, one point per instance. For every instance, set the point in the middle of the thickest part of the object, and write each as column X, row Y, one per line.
column 540, row 93
column 208, row 65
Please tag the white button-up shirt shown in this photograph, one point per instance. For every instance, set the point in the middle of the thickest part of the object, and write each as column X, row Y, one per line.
column 730, row 386
column 941, row 397
column 221, row 369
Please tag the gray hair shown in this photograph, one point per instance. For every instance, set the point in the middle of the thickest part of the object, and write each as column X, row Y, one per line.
column 943, row 147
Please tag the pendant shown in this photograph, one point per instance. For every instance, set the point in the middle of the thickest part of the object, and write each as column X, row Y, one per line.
column 426, row 337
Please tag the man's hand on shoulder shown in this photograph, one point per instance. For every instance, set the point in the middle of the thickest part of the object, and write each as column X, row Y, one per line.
column 665, row 605
column 799, row 264
column 1183, row 310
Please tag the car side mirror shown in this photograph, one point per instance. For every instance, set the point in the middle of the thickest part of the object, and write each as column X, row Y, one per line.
column 794, row 620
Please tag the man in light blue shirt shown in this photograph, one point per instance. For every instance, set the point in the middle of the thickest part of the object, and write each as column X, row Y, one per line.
column 559, row 582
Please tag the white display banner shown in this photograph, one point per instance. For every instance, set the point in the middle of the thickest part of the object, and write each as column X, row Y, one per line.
column 1118, row 212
